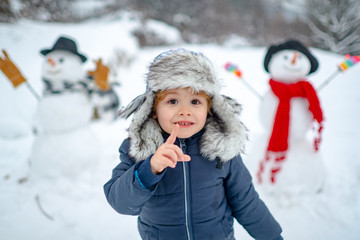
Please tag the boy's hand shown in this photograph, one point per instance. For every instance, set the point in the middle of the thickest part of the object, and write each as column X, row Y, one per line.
column 168, row 154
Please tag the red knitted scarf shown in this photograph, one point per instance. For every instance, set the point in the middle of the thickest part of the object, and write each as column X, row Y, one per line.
column 279, row 136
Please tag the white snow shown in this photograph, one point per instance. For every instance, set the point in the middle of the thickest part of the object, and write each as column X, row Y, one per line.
column 169, row 34
column 37, row 207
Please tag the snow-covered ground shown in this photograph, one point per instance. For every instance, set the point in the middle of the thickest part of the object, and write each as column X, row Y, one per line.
column 61, row 208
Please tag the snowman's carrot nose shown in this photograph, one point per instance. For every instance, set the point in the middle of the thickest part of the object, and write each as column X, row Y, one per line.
column 51, row 61
column 293, row 61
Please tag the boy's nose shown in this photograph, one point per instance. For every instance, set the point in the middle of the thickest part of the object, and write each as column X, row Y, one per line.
column 184, row 111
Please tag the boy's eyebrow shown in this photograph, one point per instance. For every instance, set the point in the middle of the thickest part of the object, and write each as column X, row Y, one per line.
column 172, row 92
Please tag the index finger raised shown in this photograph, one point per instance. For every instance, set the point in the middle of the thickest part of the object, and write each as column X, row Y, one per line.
column 172, row 138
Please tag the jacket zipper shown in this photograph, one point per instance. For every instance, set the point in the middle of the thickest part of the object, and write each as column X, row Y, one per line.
column 186, row 193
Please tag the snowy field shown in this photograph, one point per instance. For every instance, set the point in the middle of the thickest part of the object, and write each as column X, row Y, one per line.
column 75, row 208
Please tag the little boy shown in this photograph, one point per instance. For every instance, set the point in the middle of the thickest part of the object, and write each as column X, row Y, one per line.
column 181, row 169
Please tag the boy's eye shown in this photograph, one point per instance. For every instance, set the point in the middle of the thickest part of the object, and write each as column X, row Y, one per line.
column 172, row 101
column 195, row 101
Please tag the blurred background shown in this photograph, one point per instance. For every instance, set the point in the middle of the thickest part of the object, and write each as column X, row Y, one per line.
column 331, row 25
column 127, row 35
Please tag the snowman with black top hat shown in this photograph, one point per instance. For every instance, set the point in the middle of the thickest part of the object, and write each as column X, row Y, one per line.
column 65, row 144
column 292, row 164
column 65, row 150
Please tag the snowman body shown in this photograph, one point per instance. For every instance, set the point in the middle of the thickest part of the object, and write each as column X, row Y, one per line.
column 65, row 104
column 300, row 116
column 63, row 112
column 107, row 104
column 303, row 170
column 65, row 145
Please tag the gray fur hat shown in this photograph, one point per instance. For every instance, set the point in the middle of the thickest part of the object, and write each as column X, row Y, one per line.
column 224, row 136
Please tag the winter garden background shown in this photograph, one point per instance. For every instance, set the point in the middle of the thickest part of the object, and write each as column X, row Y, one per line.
column 127, row 35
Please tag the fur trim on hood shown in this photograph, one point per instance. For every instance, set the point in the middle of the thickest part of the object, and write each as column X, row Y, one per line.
column 224, row 136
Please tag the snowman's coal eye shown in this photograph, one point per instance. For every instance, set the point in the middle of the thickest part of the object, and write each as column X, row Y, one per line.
column 286, row 57
column 61, row 60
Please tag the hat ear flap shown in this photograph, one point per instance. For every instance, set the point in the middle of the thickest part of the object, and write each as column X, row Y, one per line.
column 144, row 132
column 225, row 134
column 132, row 107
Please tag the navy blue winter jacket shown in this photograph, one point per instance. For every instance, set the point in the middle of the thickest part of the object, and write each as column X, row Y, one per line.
column 195, row 200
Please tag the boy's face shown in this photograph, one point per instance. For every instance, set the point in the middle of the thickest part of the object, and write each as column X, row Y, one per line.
column 183, row 107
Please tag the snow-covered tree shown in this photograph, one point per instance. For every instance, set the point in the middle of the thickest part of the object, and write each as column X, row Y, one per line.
column 6, row 14
column 335, row 24
column 47, row 10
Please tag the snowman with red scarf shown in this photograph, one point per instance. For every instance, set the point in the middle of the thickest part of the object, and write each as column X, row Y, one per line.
column 292, row 164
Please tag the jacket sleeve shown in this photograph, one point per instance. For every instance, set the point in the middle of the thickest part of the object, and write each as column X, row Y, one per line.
column 125, row 192
column 248, row 209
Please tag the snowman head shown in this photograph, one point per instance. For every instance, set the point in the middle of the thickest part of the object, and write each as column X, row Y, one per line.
column 63, row 62
column 289, row 62
column 60, row 65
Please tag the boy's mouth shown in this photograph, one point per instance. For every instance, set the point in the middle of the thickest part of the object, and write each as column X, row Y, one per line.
column 184, row 123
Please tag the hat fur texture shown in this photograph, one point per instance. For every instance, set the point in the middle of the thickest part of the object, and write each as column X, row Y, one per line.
column 224, row 134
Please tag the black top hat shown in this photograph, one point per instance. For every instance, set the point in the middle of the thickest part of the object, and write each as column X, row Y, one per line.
column 291, row 45
column 65, row 44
